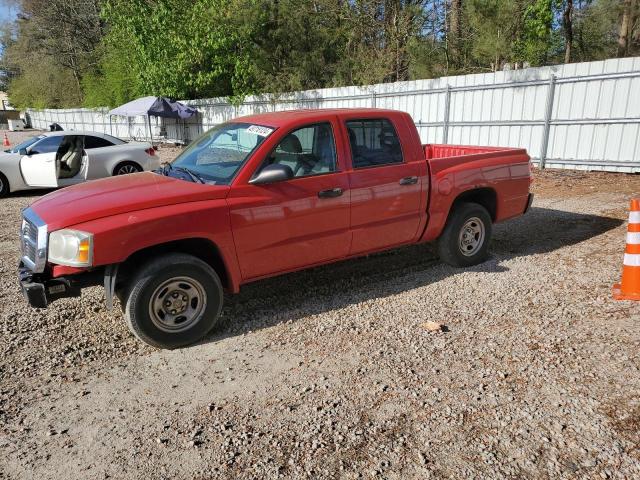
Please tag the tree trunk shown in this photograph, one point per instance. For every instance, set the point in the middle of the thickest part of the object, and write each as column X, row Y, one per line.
column 455, row 30
column 623, row 34
column 568, row 30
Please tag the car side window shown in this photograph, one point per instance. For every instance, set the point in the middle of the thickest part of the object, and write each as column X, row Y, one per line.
column 95, row 142
column 309, row 150
column 46, row 145
column 374, row 142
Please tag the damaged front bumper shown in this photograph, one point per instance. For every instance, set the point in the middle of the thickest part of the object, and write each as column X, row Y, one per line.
column 40, row 289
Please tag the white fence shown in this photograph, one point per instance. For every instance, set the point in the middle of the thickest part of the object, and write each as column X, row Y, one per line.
column 580, row 116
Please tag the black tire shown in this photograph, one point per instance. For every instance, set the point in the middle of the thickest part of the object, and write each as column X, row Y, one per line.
column 124, row 168
column 150, row 281
column 4, row 186
column 472, row 249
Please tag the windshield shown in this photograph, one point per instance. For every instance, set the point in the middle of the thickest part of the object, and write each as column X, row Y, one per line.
column 25, row 144
column 219, row 153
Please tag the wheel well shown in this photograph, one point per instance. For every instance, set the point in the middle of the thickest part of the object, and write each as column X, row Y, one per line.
column 483, row 196
column 201, row 248
column 123, row 162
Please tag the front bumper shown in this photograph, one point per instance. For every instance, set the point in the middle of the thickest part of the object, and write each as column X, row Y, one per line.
column 40, row 289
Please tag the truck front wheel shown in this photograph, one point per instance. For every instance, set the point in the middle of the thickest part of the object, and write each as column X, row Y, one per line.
column 465, row 239
column 173, row 301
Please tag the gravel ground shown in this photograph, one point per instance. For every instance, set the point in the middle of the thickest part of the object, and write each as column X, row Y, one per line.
column 331, row 372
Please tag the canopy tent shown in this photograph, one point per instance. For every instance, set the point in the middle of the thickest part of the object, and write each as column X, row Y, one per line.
column 154, row 106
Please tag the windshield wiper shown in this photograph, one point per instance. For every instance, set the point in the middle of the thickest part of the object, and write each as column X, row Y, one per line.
column 194, row 176
column 165, row 168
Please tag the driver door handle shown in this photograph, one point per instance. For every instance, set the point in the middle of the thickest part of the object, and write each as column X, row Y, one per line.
column 408, row 181
column 332, row 193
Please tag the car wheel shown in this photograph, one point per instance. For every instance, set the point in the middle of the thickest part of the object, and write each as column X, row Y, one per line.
column 4, row 186
column 125, row 168
column 173, row 301
column 465, row 239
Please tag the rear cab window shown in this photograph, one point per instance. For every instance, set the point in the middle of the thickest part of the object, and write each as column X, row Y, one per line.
column 374, row 142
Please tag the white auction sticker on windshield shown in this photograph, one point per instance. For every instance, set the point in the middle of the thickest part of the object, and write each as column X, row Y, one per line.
column 259, row 130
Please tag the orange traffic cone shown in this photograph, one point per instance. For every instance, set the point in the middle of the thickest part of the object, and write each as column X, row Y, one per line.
column 5, row 142
column 629, row 287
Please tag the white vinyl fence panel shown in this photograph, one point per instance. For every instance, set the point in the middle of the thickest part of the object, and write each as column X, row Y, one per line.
column 578, row 116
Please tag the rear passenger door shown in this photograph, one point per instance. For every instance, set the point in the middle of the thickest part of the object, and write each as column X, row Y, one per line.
column 386, row 187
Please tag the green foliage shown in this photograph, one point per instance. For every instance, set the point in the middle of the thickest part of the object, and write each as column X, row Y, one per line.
column 107, row 52
column 534, row 42
column 180, row 48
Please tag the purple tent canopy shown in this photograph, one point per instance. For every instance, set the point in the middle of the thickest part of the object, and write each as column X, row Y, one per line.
column 156, row 106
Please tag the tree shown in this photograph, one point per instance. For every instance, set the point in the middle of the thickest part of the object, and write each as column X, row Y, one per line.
column 568, row 30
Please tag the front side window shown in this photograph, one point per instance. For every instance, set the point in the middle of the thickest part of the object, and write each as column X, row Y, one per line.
column 46, row 145
column 309, row 150
column 374, row 142
column 220, row 153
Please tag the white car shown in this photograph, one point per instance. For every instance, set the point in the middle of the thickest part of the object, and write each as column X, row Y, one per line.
column 59, row 159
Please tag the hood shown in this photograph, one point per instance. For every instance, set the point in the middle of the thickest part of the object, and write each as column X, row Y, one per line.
column 116, row 195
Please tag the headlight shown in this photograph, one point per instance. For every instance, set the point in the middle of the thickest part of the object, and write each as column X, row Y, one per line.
column 71, row 247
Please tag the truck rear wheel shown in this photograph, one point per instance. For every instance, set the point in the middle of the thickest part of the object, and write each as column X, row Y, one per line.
column 465, row 239
column 173, row 301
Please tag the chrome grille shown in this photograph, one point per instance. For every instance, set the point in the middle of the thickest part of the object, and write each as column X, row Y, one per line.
column 29, row 240
column 33, row 241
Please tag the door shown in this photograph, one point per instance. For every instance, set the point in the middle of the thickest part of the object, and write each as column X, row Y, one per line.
column 72, row 161
column 299, row 222
column 38, row 167
column 386, row 190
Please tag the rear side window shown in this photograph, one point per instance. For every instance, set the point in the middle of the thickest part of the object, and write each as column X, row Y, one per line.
column 374, row 142
column 47, row 145
column 96, row 142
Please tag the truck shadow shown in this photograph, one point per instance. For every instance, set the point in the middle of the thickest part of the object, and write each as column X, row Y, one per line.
column 293, row 296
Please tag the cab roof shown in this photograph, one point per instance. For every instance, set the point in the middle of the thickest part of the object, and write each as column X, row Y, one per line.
column 287, row 117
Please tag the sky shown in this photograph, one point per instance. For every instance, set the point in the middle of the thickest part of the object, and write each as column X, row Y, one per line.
column 7, row 12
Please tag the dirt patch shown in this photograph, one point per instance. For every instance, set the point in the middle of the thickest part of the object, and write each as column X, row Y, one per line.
column 328, row 373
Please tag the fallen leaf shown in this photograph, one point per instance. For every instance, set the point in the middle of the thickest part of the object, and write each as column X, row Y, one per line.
column 432, row 326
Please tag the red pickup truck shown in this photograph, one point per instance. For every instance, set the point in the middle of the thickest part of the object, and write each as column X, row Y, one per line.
column 260, row 196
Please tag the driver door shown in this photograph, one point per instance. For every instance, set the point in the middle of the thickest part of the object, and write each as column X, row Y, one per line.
column 38, row 167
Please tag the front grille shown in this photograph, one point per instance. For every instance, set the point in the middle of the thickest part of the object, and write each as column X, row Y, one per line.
column 33, row 241
column 29, row 240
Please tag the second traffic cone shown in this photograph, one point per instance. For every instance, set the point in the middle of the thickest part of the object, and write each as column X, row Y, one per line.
column 629, row 287
column 5, row 142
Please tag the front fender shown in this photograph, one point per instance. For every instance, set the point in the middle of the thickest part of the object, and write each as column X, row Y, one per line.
column 117, row 237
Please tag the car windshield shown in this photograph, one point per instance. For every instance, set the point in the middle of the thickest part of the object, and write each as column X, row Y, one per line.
column 220, row 153
column 25, row 144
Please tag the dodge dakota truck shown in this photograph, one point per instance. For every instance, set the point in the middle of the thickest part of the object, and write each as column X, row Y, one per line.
column 261, row 196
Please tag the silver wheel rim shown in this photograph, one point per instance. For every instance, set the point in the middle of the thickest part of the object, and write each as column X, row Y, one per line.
column 471, row 237
column 177, row 304
column 1, row 185
column 125, row 169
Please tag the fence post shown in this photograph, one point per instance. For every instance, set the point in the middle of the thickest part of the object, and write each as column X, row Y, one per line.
column 373, row 99
column 551, row 89
column 445, row 123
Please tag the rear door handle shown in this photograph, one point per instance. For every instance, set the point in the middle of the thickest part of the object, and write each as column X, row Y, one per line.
column 334, row 192
column 409, row 181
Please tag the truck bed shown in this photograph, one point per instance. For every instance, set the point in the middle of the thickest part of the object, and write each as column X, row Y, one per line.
column 448, row 156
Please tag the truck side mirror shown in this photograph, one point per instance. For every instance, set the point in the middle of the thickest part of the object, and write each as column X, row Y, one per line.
column 23, row 152
column 272, row 173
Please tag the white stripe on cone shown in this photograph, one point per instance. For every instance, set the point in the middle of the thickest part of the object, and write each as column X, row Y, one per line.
column 634, row 217
column 632, row 259
column 633, row 238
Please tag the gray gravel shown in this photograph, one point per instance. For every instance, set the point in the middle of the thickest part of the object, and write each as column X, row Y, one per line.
column 330, row 373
